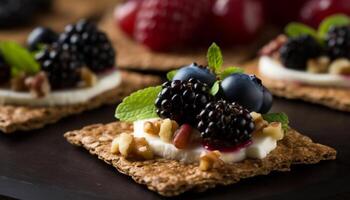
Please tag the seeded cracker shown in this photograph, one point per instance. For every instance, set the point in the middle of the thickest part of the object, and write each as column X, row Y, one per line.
column 13, row 118
column 170, row 178
column 333, row 97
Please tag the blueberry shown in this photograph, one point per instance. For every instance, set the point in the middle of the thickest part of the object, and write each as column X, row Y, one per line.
column 200, row 73
column 41, row 35
column 244, row 89
column 267, row 101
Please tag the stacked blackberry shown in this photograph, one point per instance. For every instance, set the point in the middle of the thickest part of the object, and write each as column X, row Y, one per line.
column 338, row 42
column 81, row 44
column 221, row 124
column 183, row 100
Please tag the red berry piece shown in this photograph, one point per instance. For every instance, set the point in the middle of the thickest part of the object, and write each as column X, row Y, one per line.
column 182, row 136
column 163, row 24
column 125, row 15
column 238, row 21
column 314, row 11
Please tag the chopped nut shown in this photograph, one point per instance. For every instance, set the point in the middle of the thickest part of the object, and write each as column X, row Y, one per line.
column 17, row 83
column 115, row 145
column 259, row 122
column 318, row 65
column 126, row 144
column 340, row 66
column 143, row 149
column 89, row 78
column 166, row 132
column 174, row 125
column 273, row 46
column 38, row 85
column 208, row 160
column 182, row 136
column 151, row 128
column 274, row 130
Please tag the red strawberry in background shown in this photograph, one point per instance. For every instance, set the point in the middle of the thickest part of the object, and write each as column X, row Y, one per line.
column 163, row 24
column 238, row 21
column 314, row 11
column 125, row 15
column 281, row 12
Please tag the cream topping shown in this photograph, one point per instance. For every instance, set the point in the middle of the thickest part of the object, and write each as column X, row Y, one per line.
column 260, row 148
column 273, row 69
column 63, row 97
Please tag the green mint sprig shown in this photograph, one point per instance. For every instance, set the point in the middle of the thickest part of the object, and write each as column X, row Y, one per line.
column 139, row 105
column 295, row 29
column 277, row 117
column 18, row 58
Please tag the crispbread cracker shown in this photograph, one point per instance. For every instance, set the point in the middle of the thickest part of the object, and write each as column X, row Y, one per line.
column 14, row 118
column 165, row 61
column 170, row 177
column 333, row 97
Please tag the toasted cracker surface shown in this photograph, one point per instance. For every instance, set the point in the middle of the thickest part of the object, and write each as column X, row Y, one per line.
column 170, row 177
column 14, row 118
column 333, row 97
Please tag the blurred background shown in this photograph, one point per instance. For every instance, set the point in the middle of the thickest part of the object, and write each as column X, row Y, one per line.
column 170, row 26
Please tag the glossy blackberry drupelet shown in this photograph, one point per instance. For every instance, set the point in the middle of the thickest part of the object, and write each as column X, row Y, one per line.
column 199, row 72
column 224, row 125
column 338, row 42
column 94, row 47
column 62, row 66
column 295, row 53
column 5, row 71
column 182, row 100
column 15, row 12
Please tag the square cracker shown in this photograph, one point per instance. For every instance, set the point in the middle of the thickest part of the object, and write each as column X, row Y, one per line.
column 170, row 177
column 13, row 118
column 333, row 97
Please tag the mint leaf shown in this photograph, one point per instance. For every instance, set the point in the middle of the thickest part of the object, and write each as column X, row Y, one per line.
column 215, row 88
column 139, row 105
column 333, row 20
column 295, row 29
column 230, row 70
column 214, row 57
column 277, row 117
column 170, row 75
column 19, row 58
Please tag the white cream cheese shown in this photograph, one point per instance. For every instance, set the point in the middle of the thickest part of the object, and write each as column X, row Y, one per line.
column 64, row 97
column 259, row 148
column 270, row 68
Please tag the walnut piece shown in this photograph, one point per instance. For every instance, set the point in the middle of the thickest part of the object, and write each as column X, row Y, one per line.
column 38, row 85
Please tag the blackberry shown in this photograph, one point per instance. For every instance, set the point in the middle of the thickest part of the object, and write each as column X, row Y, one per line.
column 5, row 71
column 338, row 42
column 61, row 66
column 295, row 53
column 182, row 100
column 84, row 38
column 223, row 124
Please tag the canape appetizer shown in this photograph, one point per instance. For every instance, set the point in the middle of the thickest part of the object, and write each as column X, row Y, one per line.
column 205, row 126
column 310, row 65
column 58, row 75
